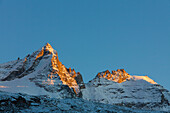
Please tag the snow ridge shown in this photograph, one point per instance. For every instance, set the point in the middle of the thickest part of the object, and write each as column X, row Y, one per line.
column 120, row 88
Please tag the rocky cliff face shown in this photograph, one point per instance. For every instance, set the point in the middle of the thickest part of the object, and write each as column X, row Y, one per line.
column 44, row 69
column 118, row 76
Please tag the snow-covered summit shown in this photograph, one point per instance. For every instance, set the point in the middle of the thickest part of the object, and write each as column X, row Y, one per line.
column 41, row 71
column 120, row 88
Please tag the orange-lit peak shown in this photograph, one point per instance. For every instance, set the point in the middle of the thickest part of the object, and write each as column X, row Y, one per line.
column 58, row 69
column 121, row 76
column 48, row 45
column 118, row 76
column 46, row 50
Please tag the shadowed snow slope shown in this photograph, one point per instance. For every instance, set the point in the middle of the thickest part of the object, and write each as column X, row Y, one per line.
column 16, row 103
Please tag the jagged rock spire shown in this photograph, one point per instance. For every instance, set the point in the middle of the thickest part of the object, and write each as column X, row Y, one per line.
column 48, row 47
column 46, row 50
column 58, row 69
column 118, row 76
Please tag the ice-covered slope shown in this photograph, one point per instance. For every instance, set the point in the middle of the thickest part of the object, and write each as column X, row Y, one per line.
column 120, row 88
column 40, row 73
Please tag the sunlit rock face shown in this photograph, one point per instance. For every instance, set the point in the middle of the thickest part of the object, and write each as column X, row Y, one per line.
column 44, row 69
column 118, row 76
column 120, row 88
column 121, row 76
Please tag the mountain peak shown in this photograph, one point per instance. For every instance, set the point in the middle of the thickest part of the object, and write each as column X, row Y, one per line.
column 48, row 45
column 47, row 50
column 118, row 76
column 44, row 69
column 41, row 73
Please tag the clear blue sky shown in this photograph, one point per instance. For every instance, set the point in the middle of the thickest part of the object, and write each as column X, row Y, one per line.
column 91, row 35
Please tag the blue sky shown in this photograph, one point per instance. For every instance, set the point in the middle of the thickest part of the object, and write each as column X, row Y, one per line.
column 93, row 35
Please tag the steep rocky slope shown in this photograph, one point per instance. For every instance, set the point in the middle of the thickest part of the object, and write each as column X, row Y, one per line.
column 41, row 73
